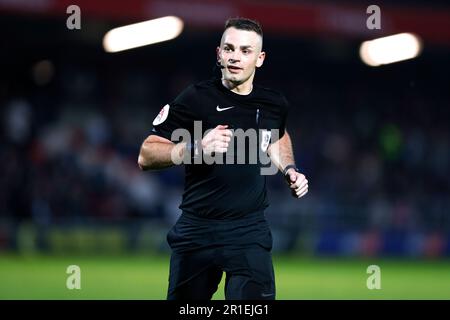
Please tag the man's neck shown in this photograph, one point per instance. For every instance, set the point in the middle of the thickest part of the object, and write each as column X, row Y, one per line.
column 242, row 89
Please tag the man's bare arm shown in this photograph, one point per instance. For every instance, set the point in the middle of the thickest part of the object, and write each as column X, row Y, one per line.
column 157, row 152
column 281, row 154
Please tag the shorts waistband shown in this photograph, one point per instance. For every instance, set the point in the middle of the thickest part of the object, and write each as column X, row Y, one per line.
column 249, row 217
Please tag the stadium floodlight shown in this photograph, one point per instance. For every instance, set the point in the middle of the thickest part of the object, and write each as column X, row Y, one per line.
column 398, row 47
column 142, row 34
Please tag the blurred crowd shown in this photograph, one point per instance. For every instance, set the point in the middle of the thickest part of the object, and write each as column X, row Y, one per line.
column 375, row 146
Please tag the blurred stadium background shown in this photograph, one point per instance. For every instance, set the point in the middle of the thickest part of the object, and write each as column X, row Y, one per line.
column 373, row 141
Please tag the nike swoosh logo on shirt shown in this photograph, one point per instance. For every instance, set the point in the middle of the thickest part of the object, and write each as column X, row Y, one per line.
column 223, row 109
column 265, row 295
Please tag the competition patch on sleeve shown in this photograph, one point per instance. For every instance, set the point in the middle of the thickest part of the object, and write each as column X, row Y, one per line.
column 162, row 115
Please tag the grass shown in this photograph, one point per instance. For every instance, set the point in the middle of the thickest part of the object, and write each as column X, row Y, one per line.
column 145, row 277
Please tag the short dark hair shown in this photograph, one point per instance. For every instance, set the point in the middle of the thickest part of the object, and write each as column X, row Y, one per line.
column 244, row 24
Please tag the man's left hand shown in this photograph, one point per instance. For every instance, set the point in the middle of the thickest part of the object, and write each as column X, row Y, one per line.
column 297, row 182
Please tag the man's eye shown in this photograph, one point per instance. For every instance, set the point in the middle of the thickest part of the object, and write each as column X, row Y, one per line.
column 227, row 49
column 246, row 51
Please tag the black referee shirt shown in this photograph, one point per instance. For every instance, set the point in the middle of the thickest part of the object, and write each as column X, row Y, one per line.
column 223, row 191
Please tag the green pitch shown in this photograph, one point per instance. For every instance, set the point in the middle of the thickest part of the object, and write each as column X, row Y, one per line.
column 145, row 277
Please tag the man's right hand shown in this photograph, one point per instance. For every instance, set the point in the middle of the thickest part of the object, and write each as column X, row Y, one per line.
column 217, row 140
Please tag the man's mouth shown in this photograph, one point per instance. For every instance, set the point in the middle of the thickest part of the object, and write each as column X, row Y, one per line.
column 234, row 68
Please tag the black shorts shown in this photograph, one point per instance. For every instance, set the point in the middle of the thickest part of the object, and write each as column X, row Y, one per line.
column 202, row 249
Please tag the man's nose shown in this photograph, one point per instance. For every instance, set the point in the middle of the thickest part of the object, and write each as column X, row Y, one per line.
column 235, row 57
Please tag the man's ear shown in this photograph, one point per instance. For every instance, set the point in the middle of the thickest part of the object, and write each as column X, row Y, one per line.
column 260, row 60
column 218, row 53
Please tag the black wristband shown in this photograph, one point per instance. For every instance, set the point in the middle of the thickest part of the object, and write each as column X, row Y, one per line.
column 289, row 166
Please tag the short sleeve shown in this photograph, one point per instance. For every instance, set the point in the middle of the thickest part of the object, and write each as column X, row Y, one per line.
column 284, row 114
column 283, row 106
column 178, row 114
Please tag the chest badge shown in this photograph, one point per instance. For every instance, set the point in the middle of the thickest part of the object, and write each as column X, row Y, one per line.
column 265, row 139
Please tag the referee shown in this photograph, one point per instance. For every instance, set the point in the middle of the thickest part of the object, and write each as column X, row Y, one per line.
column 222, row 227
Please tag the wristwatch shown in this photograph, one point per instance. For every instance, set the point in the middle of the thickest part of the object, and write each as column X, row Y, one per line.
column 290, row 166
